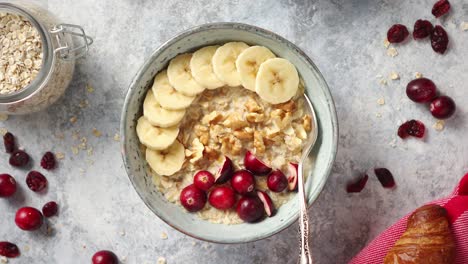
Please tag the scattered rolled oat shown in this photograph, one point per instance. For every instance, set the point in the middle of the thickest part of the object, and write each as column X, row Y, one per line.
column 378, row 115
column 59, row 155
column 3, row 260
column 163, row 236
column 75, row 150
column 439, row 125
column 3, row 131
column 418, row 75
column 381, row 101
column 464, row 26
column 122, row 233
column 21, row 50
column 96, row 132
column 89, row 88
column 3, row 117
column 383, row 82
column 392, row 52
column 386, row 43
column 394, row 75
column 117, row 137
column 73, row 119
column 161, row 260
column 83, row 104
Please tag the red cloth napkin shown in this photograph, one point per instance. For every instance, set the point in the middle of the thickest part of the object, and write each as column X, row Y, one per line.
column 457, row 208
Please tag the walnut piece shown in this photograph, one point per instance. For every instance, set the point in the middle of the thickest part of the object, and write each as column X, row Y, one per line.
column 235, row 121
column 288, row 106
column 255, row 118
column 307, row 122
column 211, row 153
column 252, row 106
column 231, row 144
column 259, row 145
column 246, row 133
column 212, row 118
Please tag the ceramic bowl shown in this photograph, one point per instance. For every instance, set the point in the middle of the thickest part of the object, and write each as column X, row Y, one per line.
column 321, row 158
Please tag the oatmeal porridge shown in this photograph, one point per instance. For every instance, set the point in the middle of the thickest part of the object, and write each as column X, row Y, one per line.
column 220, row 138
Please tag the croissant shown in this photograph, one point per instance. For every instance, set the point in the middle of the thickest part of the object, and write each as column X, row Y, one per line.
column 427, row 239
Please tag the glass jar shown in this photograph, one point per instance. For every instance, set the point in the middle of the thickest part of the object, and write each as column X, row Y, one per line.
column 58, row 60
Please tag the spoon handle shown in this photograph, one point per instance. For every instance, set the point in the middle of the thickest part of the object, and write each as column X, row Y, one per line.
column 306, row 257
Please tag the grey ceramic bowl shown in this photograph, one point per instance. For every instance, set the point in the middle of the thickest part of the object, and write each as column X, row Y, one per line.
column 321, row 158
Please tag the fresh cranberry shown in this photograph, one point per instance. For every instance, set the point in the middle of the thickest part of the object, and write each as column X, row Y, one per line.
column 250, row 209
column 7, row 185
column 385, row 177
column 222, row 198
column 441, row 8
column 19, row 158
column 397, row 33
column 9, row 142
column 267, row 203
column 203, row 180
column 48, row 161
column 9, row 250
column 105, row 257
column 421, row 90
column 50, row 209
column 36, row 181
column 255, row 165
column 412, row 128
column 192, row 198
column 28, row 218
column 439, row 39
column 422, row 29
column 277, row 181
column 442, row 107
column 243, row 182
column 358, row 186
column 224, row 172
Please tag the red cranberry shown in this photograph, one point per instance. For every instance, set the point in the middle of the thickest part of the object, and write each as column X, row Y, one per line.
column 50, row 209
column 439, row 39
column 222, row 198
column 422, row 29
column 9, row 142
column 203, row 180
column 440, row 8
column 224, row 172
column 192, row 198
column 105, row 257
column 442, row 107
column 277, row 181
column 36, row 181
column 19, row 158
column 255, row 165
column 7, row 185
column 267, row 203
column 48, row 161
column 421, row 90
column 243, row 182
column 28, row 218
column 9, row 250
column 397, row 33
column 250, row 209
column 358, row 186
column 412, row 128
column 293, row 169
column 385, row 177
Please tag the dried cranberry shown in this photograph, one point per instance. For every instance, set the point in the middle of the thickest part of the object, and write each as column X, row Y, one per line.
column 422, row 29
column 9, row 142
column 358, row 186
column 48, row 161
column 7, row 185
column 412, row 128
column 442, row 107
column 385, row 177
column 9, row 250
column 50, row 209
column 441, row 8
column 439, row 39
column 36, row 181
column 19, row 158
column 397, row 33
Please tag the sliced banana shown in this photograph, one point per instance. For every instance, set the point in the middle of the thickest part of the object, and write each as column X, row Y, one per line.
column 156, row 138
column 180, row 75
column 249, row 62
column 277, row 81
column 202, row 67
column 167, row 96
column 224, row 62
column 159, row 116
column 166, row 162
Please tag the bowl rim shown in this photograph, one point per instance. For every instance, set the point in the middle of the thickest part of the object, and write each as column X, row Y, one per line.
column 239, row 26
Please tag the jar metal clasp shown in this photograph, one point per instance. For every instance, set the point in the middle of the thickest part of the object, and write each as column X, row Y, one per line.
column 66, row 50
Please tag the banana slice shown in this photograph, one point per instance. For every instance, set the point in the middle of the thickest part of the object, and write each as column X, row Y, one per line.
column 248, row 63
column 277, row 81
column 166, row 162
column 167, row 96
column 202, row 68
column 180, row 75
column 224, row 62
column 156, row 138
column 159, row 116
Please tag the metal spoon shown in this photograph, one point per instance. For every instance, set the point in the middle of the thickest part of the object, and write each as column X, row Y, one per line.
column 306, row 257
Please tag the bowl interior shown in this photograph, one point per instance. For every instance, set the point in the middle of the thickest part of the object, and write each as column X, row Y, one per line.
column 321, row 158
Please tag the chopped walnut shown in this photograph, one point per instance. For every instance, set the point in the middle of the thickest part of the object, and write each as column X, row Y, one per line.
column 300, row 131
column 212, row 118
column 252, row 106
column 203, row 133
column 196, row 151
column 235, row 121
column 289, row 106
column 231, row 144
column 255, row 118
column 283, row 120
column 211, row 153
column 307, row 122
column 258, row 143
column 244, row 134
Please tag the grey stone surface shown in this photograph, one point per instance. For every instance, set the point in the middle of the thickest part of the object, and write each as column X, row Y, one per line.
column 100, row 210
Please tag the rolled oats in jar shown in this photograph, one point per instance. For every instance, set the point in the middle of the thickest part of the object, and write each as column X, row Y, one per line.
column 37, row 57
